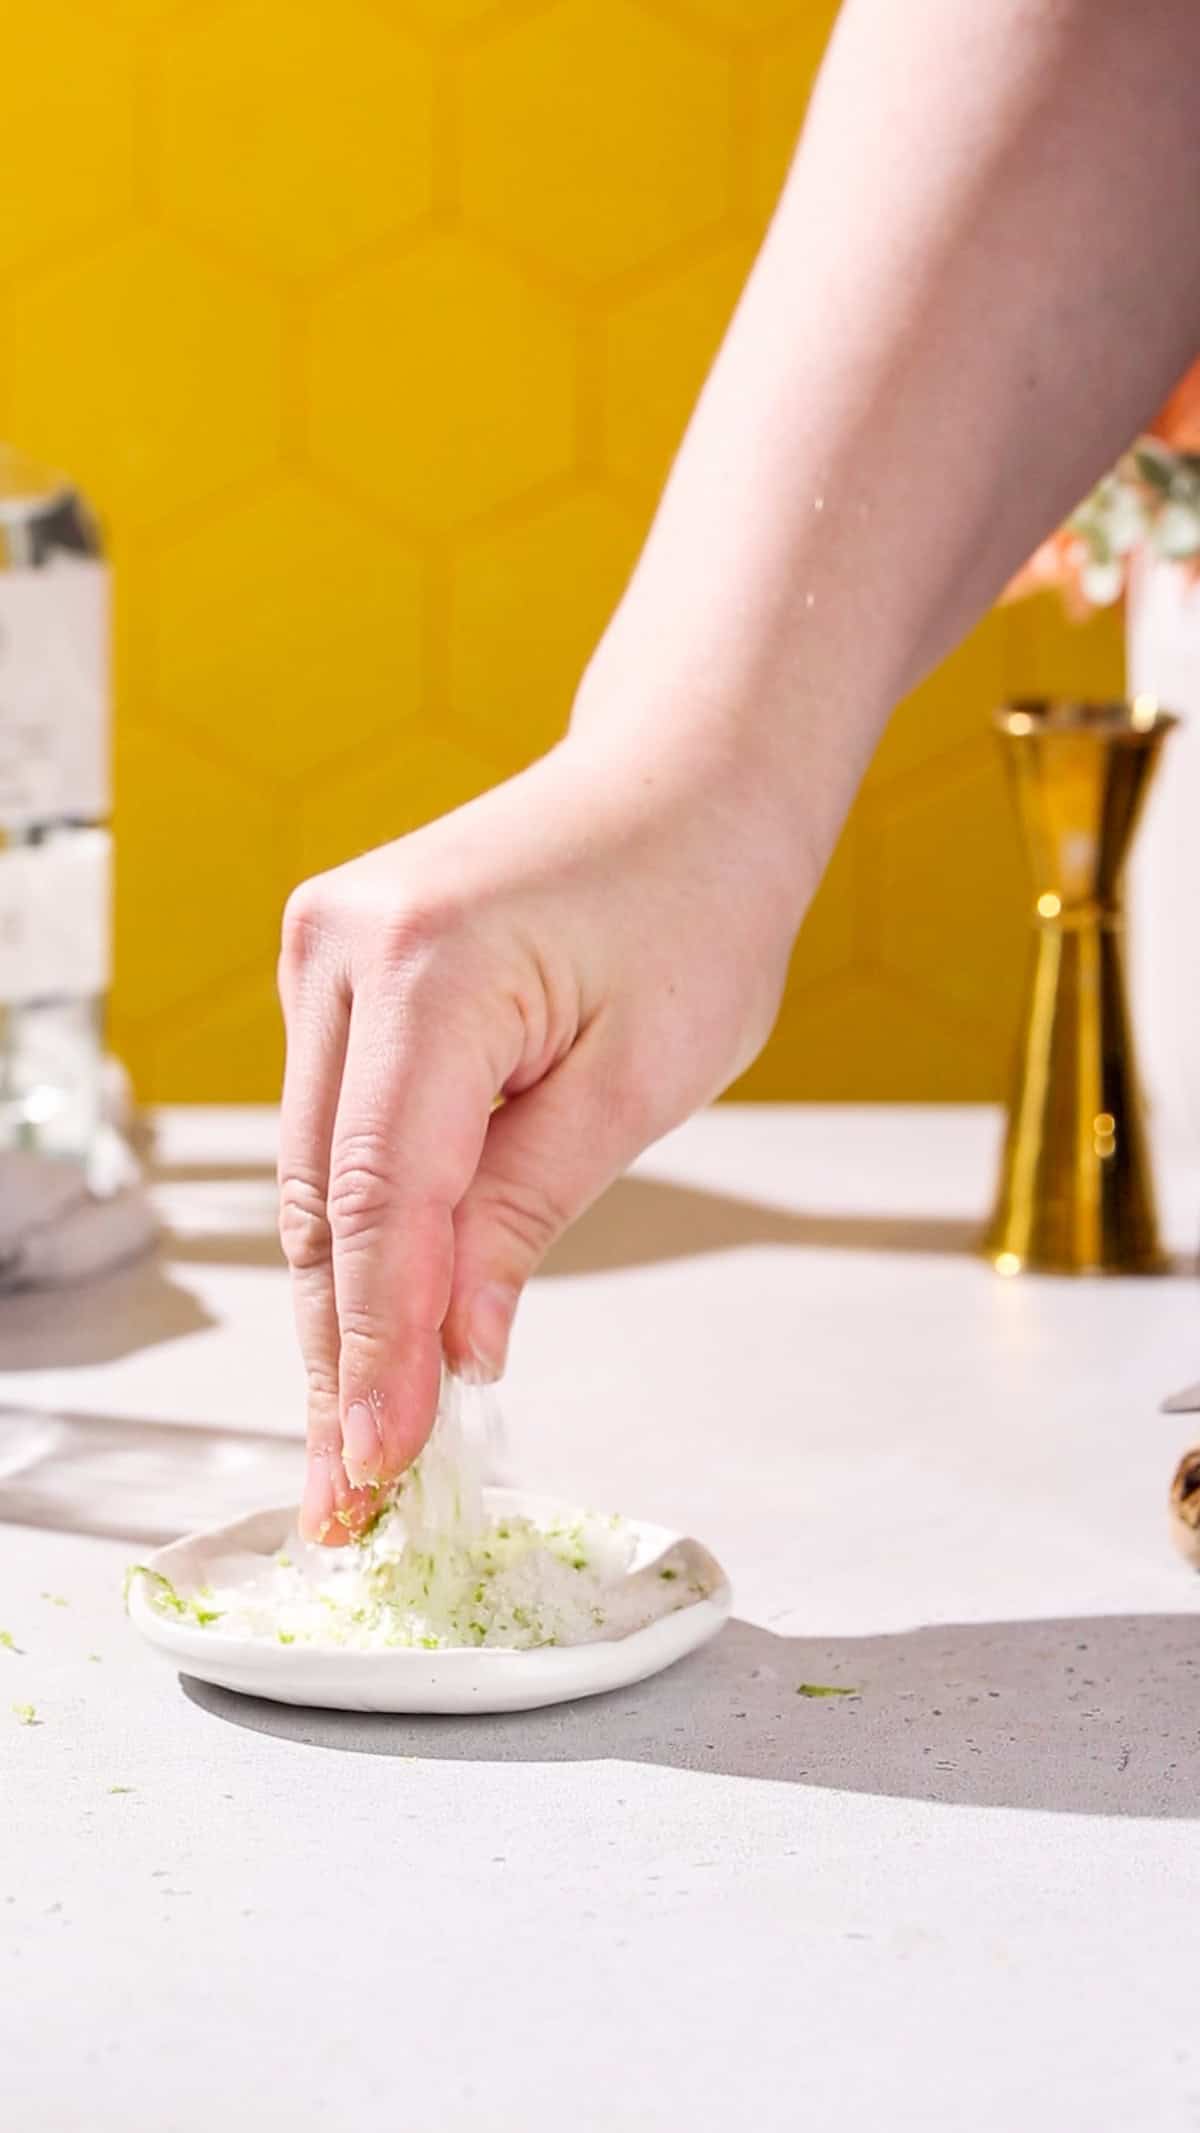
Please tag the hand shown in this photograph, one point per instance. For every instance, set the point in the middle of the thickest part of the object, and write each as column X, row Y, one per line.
column 601, row 945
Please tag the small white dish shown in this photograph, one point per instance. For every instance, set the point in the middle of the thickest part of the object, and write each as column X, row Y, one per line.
column 457, row 1680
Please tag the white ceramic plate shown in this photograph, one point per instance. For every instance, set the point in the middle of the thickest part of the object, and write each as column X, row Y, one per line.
column 457, row 1681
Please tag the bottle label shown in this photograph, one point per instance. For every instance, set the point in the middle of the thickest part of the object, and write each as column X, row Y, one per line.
column 54, row 738
column 54, row 918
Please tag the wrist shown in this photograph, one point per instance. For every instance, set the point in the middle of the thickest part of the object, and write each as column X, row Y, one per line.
column 699, row 777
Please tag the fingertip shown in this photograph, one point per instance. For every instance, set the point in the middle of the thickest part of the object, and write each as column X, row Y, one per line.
column 333, row 1511
column 399, row 1403
column 477, row 1332
column 362, row 1444
column 489, row 1320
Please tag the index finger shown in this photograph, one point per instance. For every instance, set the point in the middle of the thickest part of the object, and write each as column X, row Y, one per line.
column 411, row 1121
column 317, row 1016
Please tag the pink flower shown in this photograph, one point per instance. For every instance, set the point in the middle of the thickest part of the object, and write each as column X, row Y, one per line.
column 1059, row 565
column 1178, row 420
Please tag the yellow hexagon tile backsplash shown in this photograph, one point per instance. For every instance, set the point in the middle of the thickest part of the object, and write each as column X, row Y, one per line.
column 370, row 328
column 291, row 581
column 594, row 136
column 70, row 151
column 149, row 370
column 441, row 382
column 528, row 601
column 296, row 142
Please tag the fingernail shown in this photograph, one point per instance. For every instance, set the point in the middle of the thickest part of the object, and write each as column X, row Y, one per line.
column 362, row 1446
column 489, row 1326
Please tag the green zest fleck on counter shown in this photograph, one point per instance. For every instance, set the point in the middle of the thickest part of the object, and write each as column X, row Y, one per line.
column 822, row 1688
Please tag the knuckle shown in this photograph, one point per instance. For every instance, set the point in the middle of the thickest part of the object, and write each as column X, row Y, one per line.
column 413, row 927
column 305, row 916
column 529, row 1215
column 304, row 1232
column 321, row 1378
column 309, row 930
column 361, row 1190
column 418, row 933
column 362, row 1336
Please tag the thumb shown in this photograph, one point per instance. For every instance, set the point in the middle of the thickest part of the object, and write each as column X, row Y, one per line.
column 548, row 1154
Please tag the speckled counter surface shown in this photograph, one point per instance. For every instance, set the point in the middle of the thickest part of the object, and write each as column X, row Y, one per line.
column 964, row 1900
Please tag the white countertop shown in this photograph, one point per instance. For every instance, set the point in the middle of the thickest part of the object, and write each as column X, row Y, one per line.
column 966, row 1900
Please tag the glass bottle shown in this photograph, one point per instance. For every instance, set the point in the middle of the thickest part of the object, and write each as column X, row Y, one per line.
column 55, row 845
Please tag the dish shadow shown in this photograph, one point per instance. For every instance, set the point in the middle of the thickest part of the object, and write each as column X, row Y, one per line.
column 1094, row 1715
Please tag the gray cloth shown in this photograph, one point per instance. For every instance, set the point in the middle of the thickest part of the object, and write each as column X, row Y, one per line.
column 61, row 1223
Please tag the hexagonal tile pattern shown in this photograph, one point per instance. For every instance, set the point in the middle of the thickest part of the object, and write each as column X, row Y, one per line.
column 868, row 1038
column 529, row 604
column 68, row 129
column 144, row 14
column 199, row 891
column 954, row 897
column 750, row 19
column 658, row 346
column 1082, row 659
column 178, row 393
column 446, row 16
column 371, row 329
column 423, row 776
column 289, row 630
column 592, row 133
column 240, row 1037
column 442, row 384
column 950, row 708
column 325, row 141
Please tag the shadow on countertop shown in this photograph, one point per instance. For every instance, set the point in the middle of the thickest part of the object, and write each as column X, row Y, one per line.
column 644, row 1221
column 120, row 1313
column 639, row 1221
column 1096, row 1715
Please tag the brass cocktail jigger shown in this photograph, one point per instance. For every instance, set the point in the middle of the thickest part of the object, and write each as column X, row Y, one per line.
column 1076, row 1194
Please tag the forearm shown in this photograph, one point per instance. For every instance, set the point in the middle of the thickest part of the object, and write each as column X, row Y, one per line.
column 983, row 276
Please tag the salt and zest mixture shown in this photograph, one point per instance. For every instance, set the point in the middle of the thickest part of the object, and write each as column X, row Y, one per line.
column 437, row 1570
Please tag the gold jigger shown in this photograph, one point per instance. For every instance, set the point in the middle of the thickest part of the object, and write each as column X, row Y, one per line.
column 1076, row 1194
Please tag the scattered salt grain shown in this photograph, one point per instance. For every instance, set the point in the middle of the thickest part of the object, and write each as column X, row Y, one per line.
column 439, row 1569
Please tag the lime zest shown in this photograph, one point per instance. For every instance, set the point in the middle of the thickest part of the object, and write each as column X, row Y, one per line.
column 164, row 1598
column 25, row 1714
column 10, row 1644
column 824, row 1688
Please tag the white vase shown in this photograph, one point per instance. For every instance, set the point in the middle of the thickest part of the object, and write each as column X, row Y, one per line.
column 1163, row 661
